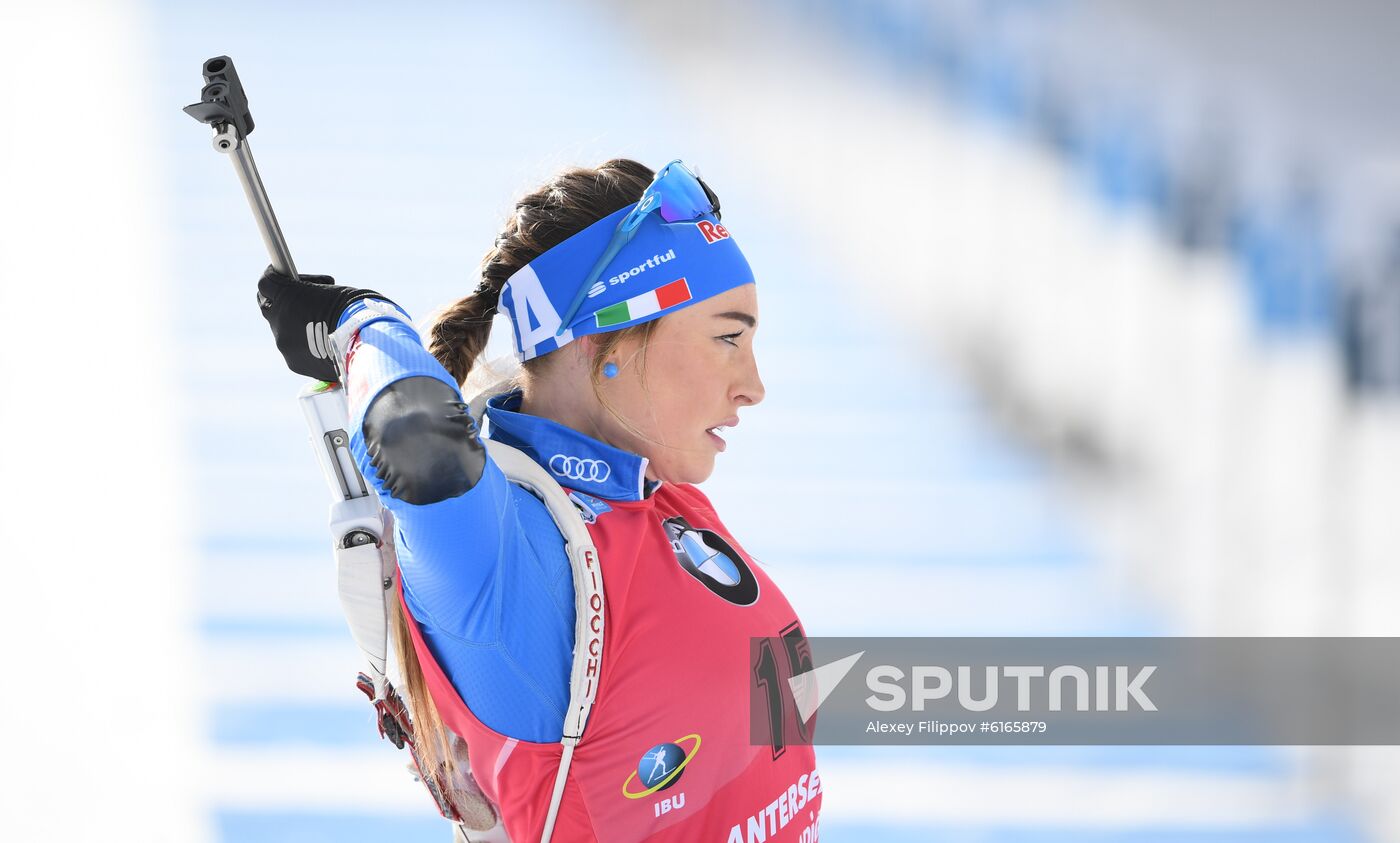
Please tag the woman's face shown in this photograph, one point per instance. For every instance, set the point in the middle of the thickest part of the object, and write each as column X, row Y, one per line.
column 694, row 374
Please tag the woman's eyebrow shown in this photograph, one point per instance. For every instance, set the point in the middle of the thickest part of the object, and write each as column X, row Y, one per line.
column 739, row 315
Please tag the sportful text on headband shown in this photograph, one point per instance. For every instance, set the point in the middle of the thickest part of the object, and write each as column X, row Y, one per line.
column 665, row 252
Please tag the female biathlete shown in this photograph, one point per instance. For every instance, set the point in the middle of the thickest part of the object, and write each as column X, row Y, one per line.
column 633, row 313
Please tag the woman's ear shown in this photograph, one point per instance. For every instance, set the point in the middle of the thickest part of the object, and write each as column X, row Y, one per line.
column 587, row 347
column 577, row 356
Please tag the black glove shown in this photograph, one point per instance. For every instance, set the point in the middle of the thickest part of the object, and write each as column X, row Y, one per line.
column 302, row 312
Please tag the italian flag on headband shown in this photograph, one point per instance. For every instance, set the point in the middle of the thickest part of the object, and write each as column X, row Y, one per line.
column 645, row 304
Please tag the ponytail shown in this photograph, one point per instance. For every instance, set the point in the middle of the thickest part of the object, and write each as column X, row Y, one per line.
column 460, row 332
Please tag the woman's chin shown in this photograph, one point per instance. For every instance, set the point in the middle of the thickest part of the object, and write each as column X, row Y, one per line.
column 693, row 471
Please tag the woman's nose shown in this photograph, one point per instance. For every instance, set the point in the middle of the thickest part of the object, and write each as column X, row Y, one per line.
column 750, row 389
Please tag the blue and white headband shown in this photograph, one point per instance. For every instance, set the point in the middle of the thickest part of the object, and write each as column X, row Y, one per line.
column 664, row 266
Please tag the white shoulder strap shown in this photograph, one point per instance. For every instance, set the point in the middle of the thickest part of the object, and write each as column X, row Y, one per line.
column 588, row 592
column 588, row 605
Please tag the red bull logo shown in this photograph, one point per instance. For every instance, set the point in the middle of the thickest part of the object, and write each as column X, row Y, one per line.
column 712, row 230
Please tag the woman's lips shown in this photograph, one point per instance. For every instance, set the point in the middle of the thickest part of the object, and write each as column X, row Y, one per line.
column 714, row 432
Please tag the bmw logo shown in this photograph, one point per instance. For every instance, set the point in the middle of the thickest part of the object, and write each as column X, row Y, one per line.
column 707, row 557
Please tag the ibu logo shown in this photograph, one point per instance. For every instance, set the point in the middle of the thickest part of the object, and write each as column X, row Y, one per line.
column 712, row 231
column 661, row 765
column 658, row 769
column 669, row 804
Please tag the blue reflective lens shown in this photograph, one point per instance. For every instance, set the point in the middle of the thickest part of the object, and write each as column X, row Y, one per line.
column 682, row 196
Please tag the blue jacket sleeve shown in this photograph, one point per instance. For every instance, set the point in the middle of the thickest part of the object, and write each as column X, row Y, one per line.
column 484, row 572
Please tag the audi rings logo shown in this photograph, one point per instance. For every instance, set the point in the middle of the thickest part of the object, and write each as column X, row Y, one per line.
column 578, row 468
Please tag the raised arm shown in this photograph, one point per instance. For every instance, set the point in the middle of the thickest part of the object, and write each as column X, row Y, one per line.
column 416, row 444
column 412, row 439
column 483, row 565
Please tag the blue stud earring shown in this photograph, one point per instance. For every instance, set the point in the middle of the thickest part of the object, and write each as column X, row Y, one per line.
column 610, row 370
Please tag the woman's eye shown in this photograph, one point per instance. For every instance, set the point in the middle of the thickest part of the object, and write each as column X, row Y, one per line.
column 729, row 338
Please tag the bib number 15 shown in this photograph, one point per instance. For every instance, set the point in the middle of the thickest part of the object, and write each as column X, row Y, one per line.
column 773, row 707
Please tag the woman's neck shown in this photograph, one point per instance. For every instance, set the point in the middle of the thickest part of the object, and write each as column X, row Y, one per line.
column 568, row 408
column 561, row 408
